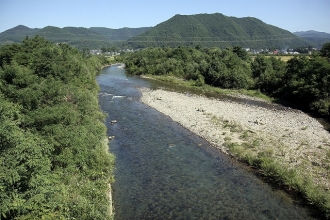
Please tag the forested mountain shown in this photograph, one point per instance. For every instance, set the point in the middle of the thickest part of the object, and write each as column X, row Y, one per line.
column 181, row 30
column 78, row 37
column 91, row 38
column 316, row 39
column 216, row 30
column 17, row 34
column 121, row 34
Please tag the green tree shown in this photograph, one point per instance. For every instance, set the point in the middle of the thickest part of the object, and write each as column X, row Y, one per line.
column 325, row 50
column 268, row 74
column 294, row 78
column 241, row 53
column 53, row 160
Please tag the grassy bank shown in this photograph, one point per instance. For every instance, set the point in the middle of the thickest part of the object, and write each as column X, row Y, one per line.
column 301, row 80
column 267, row 155
column 190, row 84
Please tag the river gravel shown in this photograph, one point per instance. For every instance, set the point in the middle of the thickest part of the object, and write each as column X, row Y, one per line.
column 294, row 137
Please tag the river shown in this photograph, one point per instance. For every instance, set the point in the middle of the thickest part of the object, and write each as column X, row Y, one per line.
column 163, row 171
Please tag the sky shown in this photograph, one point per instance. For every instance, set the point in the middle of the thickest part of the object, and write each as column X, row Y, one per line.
column 291, row 15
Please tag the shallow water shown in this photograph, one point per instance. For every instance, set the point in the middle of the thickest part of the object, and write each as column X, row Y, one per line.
column 164, row 171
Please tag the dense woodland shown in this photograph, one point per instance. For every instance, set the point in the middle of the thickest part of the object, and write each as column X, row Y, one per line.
column 303, row 81
column 54, row 160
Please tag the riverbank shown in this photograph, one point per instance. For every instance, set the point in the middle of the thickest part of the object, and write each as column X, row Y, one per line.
column 120, row 65
column 285, row 143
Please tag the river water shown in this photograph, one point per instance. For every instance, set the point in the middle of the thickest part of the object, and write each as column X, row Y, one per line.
column 163, row 171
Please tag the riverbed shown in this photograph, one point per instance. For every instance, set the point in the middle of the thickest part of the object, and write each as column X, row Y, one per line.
column 165, row 171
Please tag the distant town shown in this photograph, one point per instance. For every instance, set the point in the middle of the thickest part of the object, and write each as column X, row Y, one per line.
column 286, row 51
column 114, row 53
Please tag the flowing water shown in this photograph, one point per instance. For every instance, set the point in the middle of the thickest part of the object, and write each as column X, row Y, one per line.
column 163, row 171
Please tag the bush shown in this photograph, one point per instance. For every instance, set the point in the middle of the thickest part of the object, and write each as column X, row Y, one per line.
column 53, row 153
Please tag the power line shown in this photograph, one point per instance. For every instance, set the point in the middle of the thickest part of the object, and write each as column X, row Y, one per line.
column 213, row 41
column 137, row 36
column 187, row 39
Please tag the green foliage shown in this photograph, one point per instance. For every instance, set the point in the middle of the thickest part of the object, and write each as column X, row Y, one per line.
column 215, row 30
column 325, row 51
column 315, row 38
column 303, row 81
column 92, row 38
column 221, row 68
column 53, row 160
column 241, row 53
column 120, row 34
column 306, row 83
column 293, row 179
column 268, row 73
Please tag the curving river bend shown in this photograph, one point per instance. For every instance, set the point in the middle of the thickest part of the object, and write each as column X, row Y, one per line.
column 163, row 171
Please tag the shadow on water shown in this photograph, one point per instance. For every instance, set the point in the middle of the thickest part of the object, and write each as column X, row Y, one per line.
column 163, row 171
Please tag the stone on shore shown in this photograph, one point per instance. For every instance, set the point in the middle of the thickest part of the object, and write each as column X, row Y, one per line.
column 296, row 139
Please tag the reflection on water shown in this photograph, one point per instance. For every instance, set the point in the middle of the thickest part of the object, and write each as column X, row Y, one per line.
column 163, row 171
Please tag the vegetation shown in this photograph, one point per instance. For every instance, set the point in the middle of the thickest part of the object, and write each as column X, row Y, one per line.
column 317, row 39
column 267, row 155
column 91, row 38
column 303, row 81
column 121, row 34
column 269, row 164
column 78, row 37
column 215, row 30
column 54, row 162
column 208, row 30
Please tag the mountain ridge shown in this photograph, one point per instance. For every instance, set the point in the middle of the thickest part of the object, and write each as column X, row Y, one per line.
column 316, row 38
column 216, row 30
column 180, row 30
column 79, row 37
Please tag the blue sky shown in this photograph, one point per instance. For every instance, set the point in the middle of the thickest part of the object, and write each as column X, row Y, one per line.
column 292, row 15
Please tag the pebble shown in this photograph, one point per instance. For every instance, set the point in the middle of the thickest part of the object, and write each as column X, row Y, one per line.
column 300, row 133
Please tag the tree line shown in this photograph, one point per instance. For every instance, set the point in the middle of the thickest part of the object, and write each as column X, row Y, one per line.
column 303, row 81
column 54, row 162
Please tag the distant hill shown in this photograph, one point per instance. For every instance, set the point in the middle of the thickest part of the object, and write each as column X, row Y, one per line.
column 17, row 34
column 316, row 39
column 75, row 36
column 121, row 34
column 92, row 38
column 216, row 30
